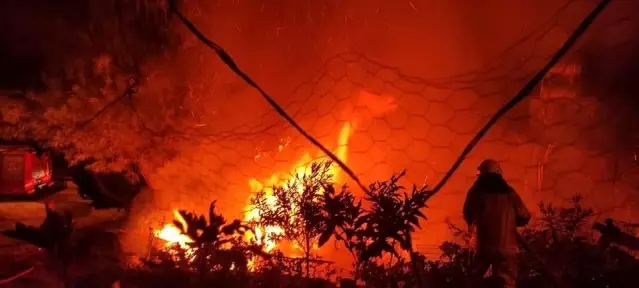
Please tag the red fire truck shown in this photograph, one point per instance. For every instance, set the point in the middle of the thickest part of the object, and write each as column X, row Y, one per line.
column 23, row 171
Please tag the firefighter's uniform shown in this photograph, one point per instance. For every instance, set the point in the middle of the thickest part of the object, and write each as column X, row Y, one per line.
column 495, row 210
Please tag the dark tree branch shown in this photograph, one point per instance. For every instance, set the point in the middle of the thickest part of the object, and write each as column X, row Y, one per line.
column 228, row 60
column 524, row 92
column 130, row 90
column 548, row 269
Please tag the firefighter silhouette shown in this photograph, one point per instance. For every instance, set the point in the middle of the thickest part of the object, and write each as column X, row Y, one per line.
column 493, row 211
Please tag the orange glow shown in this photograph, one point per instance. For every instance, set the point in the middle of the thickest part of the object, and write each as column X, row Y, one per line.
column 378, row 105
column 263, row 235
column 172, row 236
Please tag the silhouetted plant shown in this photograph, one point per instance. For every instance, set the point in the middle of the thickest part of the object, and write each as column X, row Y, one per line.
column 440, row 273
column 564, row 221
column 463, row 234
column 447, row 271
column 279, row 264
column 612, row 234
column 66, row 247
column 341, row 212
column 212, row 241
column 297, row 208
column 369, row 233
column 53, row 235
column 393, row 216
column 562, row 237
column 396, row 274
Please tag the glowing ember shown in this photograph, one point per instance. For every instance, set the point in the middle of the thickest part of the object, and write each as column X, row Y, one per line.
column 264, row 235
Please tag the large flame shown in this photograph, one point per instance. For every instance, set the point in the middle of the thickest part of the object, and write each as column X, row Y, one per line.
column 263, row 235
column 173, row 236
column 378, row 105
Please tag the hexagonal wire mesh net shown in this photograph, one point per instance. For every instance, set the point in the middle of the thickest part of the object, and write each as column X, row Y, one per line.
column 549, row 147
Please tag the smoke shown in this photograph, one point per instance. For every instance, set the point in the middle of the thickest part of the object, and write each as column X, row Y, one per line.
column 280, row 44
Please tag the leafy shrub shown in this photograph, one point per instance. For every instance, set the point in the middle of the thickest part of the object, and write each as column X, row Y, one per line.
column 560, row 235
column 296, row 207
column 310, row 212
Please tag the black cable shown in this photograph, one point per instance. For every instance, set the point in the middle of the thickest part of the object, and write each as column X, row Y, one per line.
column 228, row 60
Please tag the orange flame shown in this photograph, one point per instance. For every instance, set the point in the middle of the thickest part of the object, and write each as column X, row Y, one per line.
column 302, row 167
column 172, row 235
column 377, row 105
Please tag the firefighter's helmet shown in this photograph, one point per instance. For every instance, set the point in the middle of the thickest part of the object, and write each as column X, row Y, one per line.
column 489, row 166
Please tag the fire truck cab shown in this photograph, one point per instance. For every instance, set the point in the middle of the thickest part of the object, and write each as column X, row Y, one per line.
column 22, row 171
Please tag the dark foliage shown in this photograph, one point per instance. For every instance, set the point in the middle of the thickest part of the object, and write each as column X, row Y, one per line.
column 43, row 36
column 310, row 210
column 393, row 216
column 279, row 264
column 340, row 212
column 53, row 235
column 298, row 209
column 108, row 190
column 560, row 235
column 326, row 212
column 212, row 246
column 219, row 256
column 611, row 234
column 69, row 250
column 214, row 231
column 563, row 238
column 368, row 234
